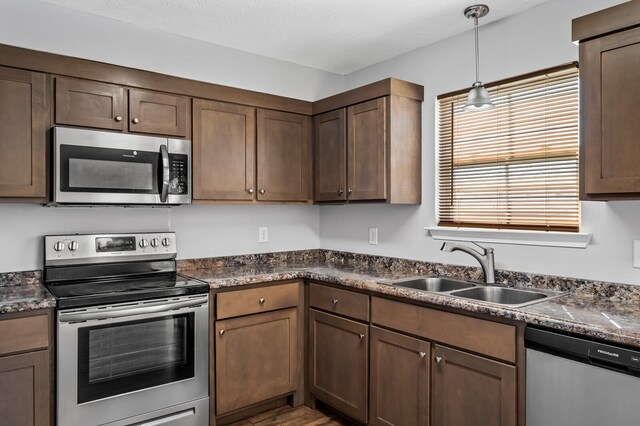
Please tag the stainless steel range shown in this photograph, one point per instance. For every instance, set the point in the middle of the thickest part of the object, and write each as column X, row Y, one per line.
column 132, row 342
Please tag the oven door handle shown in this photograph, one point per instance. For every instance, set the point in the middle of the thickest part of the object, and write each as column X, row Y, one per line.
column 130, row 311
column 164, row 153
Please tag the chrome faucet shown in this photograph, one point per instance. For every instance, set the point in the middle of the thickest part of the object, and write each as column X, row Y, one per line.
column 485, row 257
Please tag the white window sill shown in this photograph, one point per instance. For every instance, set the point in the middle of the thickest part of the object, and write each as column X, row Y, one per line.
column 510, row 236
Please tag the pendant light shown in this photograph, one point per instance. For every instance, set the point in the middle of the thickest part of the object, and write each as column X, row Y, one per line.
column 478, row 98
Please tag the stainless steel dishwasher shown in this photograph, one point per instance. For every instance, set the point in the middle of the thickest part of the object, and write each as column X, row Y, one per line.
column 579, row 382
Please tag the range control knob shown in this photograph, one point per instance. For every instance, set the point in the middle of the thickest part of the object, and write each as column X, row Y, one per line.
column 59, row 246
column 166, row 242
column 73, row 245
column 155, row 242
column 143, row 243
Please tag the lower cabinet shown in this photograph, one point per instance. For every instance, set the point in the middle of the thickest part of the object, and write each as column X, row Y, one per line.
column 25, row 387
column 338, row 361
column 26, row 382
column 399, row 392
column 256, row 358
column 469, row 390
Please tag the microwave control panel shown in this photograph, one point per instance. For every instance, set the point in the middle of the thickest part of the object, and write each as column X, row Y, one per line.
column 178, row 174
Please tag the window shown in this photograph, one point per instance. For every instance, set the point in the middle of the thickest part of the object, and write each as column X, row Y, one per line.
column 515, row 166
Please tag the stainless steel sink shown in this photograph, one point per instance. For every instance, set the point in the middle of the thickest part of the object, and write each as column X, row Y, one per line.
column 433, row 284
column 506, row 296
column 501, row 295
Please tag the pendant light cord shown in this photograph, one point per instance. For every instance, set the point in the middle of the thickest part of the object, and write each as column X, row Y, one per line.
column 475, row 21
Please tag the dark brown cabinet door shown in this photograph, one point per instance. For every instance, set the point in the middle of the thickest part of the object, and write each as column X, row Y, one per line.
column 256, row 358
column 331, row 152
column 23, row 133
column 338, row 363
column 367, row 151
column 469, row 390
column 399, row 392
column 25, row 388
column 90, row 104
column 159, row 113
column 224, row 144
column 610, row 89
column 283, row 156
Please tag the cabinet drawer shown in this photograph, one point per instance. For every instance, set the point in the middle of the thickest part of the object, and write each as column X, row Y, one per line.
column 24, row 334
column 245, row 302
column 485, row 337
column 342, row 302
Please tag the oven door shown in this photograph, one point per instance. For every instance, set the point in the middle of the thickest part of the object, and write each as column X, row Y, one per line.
column 94, row 167
column 128, row 359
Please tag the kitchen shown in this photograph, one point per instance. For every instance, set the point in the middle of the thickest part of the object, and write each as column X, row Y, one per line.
column 533, row 39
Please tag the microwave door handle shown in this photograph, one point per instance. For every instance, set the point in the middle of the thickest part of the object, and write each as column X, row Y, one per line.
column 164, row 153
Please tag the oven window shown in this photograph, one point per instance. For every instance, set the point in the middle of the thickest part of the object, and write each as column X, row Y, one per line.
column 124, row 357
column 108, row 170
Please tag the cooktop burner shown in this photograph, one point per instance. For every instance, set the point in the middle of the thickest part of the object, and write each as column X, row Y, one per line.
column 89, row 270
column 91, row 293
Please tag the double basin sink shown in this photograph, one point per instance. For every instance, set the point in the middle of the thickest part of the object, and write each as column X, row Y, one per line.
column 470, row 290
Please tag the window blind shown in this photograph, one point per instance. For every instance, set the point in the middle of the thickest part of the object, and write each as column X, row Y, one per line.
column 515, row 166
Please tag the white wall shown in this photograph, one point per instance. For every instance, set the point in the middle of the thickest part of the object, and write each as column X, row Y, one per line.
column 202, row 230
column 529, row 41
column 533, row 40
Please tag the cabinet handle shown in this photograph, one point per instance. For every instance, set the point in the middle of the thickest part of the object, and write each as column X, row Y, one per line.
column 118, row 118
column 135, row 120
column 340, row 191
column 261, row 300
column 361, row 336
column 438, row 359
column 250, row 190
column 262, row 191
column 422, row 354
column 334, row 301
column 349, row 190
column 222, row 332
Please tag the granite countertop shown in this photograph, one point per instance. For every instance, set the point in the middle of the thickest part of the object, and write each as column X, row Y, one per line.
column 24, row 291
column 588, row 315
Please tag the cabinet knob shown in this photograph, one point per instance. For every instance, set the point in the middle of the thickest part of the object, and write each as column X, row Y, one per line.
column 118, row 118
column 135, row 120
column 334, row 301
column 261, row 300
column 438, row 359
column 349, row 190
column 250, row 190
column 361, row 336
column 422, row 354
column 340, row 191
column 222, row 332
column 262, row 191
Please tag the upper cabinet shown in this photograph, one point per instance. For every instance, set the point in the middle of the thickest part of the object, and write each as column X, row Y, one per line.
column 609, row 90
column 24, row 121
column 107, row 106
column 283, row 156
column 331, row 156
column 370, row 151
column 367, row 151
column 223, row 151
column 247, row 155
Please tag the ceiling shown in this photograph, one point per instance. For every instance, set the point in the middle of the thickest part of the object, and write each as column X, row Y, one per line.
column 339, row 36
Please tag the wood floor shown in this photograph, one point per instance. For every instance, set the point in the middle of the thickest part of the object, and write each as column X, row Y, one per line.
column 287, row 416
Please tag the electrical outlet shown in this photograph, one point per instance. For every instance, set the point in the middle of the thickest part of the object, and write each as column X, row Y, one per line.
column 263, row 234
column 636, row 253
column 373, row 235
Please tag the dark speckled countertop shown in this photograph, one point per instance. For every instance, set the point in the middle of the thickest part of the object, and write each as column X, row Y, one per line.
column 602, row 310
column 23, row 291
column 581, row 313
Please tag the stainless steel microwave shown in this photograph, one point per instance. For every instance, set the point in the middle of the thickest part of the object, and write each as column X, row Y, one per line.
column 92, row 167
